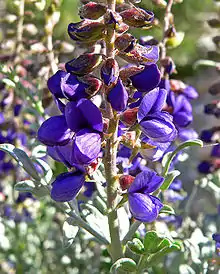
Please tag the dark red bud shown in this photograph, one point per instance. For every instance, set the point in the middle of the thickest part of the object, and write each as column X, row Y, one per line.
column 129, row 116
column 126, row 73
column 84, row 64
column 136, row 17
column 125, row 181
column 92, row 10
column 125, row 42
column 94, row 84
column 86, row 31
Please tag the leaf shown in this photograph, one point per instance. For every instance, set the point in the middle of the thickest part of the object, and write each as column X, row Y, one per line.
column 136, row 246
column 21, row 157
column 48, row 173
column 171, row 176
column 8, row 82
column 171, row 156
column 70, row 231
column 36, row 188
column 125, row 265
column 168, row 210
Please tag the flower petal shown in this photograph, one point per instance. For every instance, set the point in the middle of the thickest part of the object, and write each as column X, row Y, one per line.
column 54, row 131
column 146, row 182
column 118, row 96
column 143, row 207
column 66, row 186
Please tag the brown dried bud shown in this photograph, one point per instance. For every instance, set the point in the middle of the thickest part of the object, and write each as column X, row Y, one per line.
column 125, row 42
column 92, row 10
column 125, row 181
column 84, row 64
column 86, row 31
column 94, row 84
column 215, row 89
column 214, row 23
column 129, row 117
column 136, row 17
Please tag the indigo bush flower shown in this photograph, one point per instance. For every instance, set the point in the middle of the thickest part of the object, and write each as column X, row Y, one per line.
column 144, row 206
column 66, row 186
column 155, row 123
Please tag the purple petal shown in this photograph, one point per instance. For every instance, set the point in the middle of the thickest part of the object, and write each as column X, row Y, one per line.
column 143, row 207
column 152, row 53
column 91, row 114
column 182, row 104
column 54, row 83
column 66, row 186
column 156, row 153
column 87, row 146
column 190, row 92
column 74, row 118
column 159, row 127
column 118, row 96
column 182, row 119
column 152, row 102
column 54, row 131
column 187, row 134
column 147, row 79
column 146, row 182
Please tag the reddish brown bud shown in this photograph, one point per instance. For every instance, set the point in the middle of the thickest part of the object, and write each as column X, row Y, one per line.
column 125, row 42
column 110, row 72
column 86, row 31
column 94, row 84
column 126, row 73
column 136, row 17
column 84, row 64
column 125, row 181
column 92, row 10
column 129, row 116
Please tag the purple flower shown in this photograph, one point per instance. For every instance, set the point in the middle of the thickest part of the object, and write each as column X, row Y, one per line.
column 185, row 134
column 66, row 186
column 83, row 114
column 154, row 154
column 66, row 85
column 155, row 123
column 216, row 238
column 147, row 79
column 143, row 206
column 181, row 109
column 190, row 92
column 86, row 147
column 54, row 131
column 118, row 96
column 216, row 151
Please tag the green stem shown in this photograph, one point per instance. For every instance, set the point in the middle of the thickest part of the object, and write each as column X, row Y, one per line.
column 142, row 263
column 110, row 158
column 131, row 232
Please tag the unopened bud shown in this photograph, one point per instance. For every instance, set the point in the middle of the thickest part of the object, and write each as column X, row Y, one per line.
column 129, row 116
column 125, row 181
column 127, row 72
column 110, row 72
column 94, row 84
column 125, row 42
column 215, row 89
column 86, row 31
column 136, row 17
column 92, row 10
column 174, row 39
column 84, row 64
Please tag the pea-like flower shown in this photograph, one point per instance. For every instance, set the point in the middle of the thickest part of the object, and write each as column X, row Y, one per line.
column 67, row 185
column 143, row 206
column 155, row 123
column 147, row 79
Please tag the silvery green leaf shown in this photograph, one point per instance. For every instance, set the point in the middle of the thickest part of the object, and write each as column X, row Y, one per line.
column 48, row 174
column 21, row 157
column 126, row 265
column 169, row 179
column 39, row 151
column 70, row 231
column 8, row 82
column 35, row 188
column 186, row 269
column 168, row 210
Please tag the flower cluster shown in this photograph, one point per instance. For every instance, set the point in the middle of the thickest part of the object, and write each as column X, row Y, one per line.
column 152, row 110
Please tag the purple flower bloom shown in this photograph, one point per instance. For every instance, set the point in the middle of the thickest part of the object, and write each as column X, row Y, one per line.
column 185, row 134
column 154, row 154
column 83, row 114
column 54, row 131
column 216, row 151
column 66, row 186
column 118, row 96
column 156, row 124
column 147, row 79
column 216, row 238
column 87, row 146
column 66, row 85
column 143, row 206
column 190, row 92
